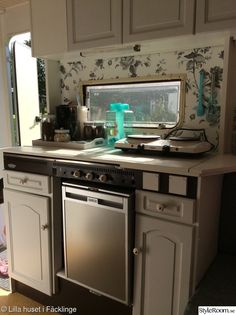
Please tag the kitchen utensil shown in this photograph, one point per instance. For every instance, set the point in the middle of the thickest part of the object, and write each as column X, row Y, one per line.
column 200, row 108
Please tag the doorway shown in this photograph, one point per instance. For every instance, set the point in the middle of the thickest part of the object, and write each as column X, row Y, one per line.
column 27, row 90
column 26, row 78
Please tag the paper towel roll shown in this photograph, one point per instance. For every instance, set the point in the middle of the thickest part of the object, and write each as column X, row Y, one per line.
column 82, row 118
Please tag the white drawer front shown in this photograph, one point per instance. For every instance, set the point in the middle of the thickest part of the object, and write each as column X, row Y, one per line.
column 27, row 182
column 165, row 206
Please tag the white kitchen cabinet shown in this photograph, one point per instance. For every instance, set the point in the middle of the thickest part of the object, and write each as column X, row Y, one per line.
column 152, row 19
column 162, row 266
column 59, row 27
column 48, row 27
column 28, row 239
column 93, row 23
column 215, row 15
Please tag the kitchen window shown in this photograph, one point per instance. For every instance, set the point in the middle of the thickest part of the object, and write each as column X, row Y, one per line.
column 152, row 102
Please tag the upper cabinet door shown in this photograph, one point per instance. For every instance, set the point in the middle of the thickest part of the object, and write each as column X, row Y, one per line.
column 48, row 27
column 215, row 14
column 151, row 19
column 94, row 23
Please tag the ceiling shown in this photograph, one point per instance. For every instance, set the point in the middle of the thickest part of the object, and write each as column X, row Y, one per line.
column 4, row 4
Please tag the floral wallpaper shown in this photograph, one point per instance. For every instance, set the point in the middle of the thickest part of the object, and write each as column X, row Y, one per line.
column 203, row 66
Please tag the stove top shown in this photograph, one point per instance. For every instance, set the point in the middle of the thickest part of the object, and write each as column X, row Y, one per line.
column 177, row 142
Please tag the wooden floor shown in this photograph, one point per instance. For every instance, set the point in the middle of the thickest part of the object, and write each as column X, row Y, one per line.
column 13, row 303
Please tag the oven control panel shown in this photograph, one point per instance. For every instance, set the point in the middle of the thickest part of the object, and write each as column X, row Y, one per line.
column 99, row 173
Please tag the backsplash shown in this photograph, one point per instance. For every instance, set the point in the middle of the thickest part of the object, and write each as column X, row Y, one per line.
column 207, row 60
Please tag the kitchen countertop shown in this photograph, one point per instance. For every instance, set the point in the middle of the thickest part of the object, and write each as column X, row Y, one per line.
column 205, row 165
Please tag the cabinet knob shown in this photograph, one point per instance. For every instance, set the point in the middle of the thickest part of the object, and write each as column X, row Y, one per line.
column 44, row 227
column 23, row 180
column 160, row 207
column 136, row 251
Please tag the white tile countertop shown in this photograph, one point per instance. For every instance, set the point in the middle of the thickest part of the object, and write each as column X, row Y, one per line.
column 205, row 165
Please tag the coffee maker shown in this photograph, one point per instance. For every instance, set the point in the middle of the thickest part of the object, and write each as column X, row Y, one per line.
column 66, row 118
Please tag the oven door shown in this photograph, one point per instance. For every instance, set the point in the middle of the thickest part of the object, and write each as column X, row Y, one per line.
column 98, row 242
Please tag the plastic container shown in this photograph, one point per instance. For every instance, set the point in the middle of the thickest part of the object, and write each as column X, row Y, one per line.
column 62, row 135
column 128, row 122
column 111, row 127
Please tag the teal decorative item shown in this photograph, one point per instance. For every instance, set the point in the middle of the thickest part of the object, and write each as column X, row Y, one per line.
column 200, row 108
column 119, row 109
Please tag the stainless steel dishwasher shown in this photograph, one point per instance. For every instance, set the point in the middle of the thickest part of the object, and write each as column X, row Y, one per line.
column 97, row 227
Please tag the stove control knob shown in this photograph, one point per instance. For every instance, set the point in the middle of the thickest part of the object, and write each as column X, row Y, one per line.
column 103, row 178
column 89, row 176
column 77, row 173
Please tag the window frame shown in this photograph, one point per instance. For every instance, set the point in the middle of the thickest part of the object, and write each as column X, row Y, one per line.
column 144, row 79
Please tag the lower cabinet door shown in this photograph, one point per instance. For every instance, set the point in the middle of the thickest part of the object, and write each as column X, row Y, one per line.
column 162, row 266
column 28, row 239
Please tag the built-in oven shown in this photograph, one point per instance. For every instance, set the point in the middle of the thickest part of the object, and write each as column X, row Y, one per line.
column 98, row 227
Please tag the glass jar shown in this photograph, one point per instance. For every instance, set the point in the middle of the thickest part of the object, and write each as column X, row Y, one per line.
column 47, row 127
column 111, row 127
column 62, row 135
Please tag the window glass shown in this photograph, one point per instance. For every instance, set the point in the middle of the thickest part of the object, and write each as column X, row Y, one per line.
column 150, row 104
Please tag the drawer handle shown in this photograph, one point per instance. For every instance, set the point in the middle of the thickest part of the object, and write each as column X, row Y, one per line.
column 44, row 227
column 136, row 251
column 23, row 180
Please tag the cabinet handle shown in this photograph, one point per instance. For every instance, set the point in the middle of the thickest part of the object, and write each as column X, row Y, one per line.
column 44, row 227
column 23, row 180
column 136, row 251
